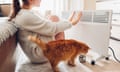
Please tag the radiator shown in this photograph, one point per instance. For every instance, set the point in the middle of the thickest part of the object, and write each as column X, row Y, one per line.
column 93, row 29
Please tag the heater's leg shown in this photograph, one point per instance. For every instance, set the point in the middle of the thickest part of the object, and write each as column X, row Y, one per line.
column 96, row 57
column 106, row 58
column 92, row 62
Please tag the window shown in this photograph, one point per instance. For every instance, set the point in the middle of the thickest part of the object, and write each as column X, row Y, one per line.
column 112, row 5
column 5, row 6
column 5, row 1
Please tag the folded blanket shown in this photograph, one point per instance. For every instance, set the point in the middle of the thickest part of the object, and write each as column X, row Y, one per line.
column 7, row 29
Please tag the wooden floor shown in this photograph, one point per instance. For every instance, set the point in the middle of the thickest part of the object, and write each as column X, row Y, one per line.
column 101, row 66
column 106, row 66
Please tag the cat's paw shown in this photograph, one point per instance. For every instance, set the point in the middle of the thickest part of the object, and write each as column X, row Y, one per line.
column 70, row 63
column 56, row 70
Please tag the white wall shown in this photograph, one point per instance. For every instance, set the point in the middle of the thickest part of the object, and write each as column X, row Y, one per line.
column 89, row 4
column 76, row 5
column 82, row 4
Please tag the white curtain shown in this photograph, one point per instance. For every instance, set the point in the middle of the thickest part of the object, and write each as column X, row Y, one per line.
column 60, row 5
column 56, row 6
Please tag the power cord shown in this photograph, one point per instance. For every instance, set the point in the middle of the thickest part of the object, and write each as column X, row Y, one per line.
column 114, row 54
column 114, row 38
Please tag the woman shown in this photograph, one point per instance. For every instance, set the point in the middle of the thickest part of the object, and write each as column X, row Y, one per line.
column 30, row 22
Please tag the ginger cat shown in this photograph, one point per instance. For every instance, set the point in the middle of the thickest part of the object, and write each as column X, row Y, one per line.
column 61, row 50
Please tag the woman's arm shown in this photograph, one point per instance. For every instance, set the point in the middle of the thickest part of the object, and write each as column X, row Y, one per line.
column 37, row 24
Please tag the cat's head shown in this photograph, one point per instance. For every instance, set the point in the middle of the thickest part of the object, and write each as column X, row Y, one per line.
column 84, row 49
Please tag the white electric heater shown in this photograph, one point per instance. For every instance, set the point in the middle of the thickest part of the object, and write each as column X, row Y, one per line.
column 93, row 29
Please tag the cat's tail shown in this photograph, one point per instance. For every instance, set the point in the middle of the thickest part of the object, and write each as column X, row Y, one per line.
column 38, row 42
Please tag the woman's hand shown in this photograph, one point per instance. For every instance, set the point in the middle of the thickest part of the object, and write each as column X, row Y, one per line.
column 71, row 16
column 74, row 20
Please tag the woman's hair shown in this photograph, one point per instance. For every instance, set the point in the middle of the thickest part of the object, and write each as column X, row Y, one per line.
column 16, row 8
